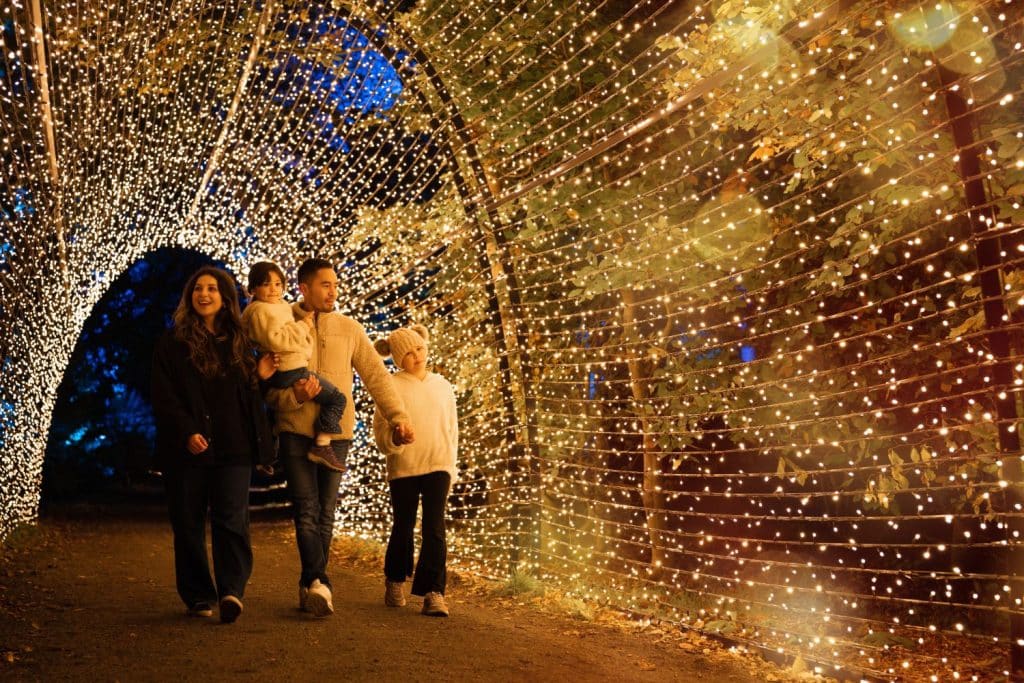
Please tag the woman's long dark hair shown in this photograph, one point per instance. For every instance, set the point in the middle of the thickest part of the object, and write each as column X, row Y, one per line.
column 189, row 328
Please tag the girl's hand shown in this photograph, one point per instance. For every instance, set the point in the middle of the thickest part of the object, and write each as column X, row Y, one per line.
column 196, row 444
column 267, row 365
column 309, row 321
column 403, row 434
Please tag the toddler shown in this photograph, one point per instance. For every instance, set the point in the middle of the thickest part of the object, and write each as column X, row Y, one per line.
column 270, row 323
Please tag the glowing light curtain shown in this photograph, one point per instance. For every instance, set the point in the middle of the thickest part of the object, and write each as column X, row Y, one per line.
column 731, row 291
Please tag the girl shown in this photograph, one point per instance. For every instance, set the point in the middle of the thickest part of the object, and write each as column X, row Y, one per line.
column 211, row 429
column 270, row 323
column 424, row 468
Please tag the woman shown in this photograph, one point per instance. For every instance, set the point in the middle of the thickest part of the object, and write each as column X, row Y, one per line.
column 211, row 430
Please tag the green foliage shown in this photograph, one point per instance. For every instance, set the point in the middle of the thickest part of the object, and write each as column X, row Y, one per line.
column 519, row 582
column 887, row 640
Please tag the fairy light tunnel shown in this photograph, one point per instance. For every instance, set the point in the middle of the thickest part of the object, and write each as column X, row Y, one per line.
column 731, row 291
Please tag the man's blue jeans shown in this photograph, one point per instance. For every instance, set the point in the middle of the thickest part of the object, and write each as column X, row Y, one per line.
column 313, row 490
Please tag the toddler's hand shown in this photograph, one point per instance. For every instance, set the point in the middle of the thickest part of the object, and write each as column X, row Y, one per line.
column 267, row 365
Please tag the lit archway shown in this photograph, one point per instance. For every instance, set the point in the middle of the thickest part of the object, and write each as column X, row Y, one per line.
column 757, row 366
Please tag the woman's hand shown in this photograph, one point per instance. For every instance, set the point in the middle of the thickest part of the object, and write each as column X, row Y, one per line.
column 267, row 365
column 196, row 444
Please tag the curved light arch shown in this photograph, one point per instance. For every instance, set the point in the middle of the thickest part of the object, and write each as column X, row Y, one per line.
column 729, row 289
column 95, row 271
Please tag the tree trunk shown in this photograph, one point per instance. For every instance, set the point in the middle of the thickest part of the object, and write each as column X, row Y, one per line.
column 651, row 489
column 988, row 251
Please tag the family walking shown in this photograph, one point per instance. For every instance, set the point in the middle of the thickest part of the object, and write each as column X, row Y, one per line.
column 210, row 396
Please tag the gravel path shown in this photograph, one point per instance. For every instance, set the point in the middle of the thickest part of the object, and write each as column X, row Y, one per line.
column 93, row 599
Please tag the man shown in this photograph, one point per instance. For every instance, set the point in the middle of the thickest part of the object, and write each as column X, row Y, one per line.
column 340, row 345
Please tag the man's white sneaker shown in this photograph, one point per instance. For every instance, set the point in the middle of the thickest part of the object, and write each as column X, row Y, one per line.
column 434, row 605
column 318, row 601
column 394, row 593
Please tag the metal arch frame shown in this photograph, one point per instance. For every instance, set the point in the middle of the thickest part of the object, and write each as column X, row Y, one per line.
column 519, row 429
column 213, row 161
column 40, row 58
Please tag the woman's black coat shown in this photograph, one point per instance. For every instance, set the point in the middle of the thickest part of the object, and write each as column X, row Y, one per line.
column 179, row 407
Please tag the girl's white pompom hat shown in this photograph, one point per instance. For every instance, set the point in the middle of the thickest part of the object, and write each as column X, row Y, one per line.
column 402, row 341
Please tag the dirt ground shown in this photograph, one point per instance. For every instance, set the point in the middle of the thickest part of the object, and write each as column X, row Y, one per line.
column 93, row 599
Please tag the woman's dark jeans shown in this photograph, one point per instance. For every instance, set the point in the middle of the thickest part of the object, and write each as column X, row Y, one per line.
column 313, row 490
column 225, row 489
column 430, row 574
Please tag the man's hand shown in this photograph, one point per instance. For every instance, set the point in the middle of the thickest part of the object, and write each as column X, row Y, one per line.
column 265, row 470
column 267, row 365
column 403, row 434
column 306, row 389
column 196, row 444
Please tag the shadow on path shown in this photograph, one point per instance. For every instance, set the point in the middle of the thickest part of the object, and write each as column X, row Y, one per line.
column 93, row 599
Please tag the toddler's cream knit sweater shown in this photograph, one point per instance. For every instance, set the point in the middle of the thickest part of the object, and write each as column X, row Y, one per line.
column 273, row 328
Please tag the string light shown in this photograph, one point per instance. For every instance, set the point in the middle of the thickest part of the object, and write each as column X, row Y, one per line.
column 713, row 281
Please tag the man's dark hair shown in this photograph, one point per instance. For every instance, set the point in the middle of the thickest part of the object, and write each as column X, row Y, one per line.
column 310, row 267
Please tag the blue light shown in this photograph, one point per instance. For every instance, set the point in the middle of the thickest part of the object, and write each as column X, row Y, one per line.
column 6, row 415
column 77, row 435
column 747, row 354
column 139, row 271
column 22, row 202
column 360, row 82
